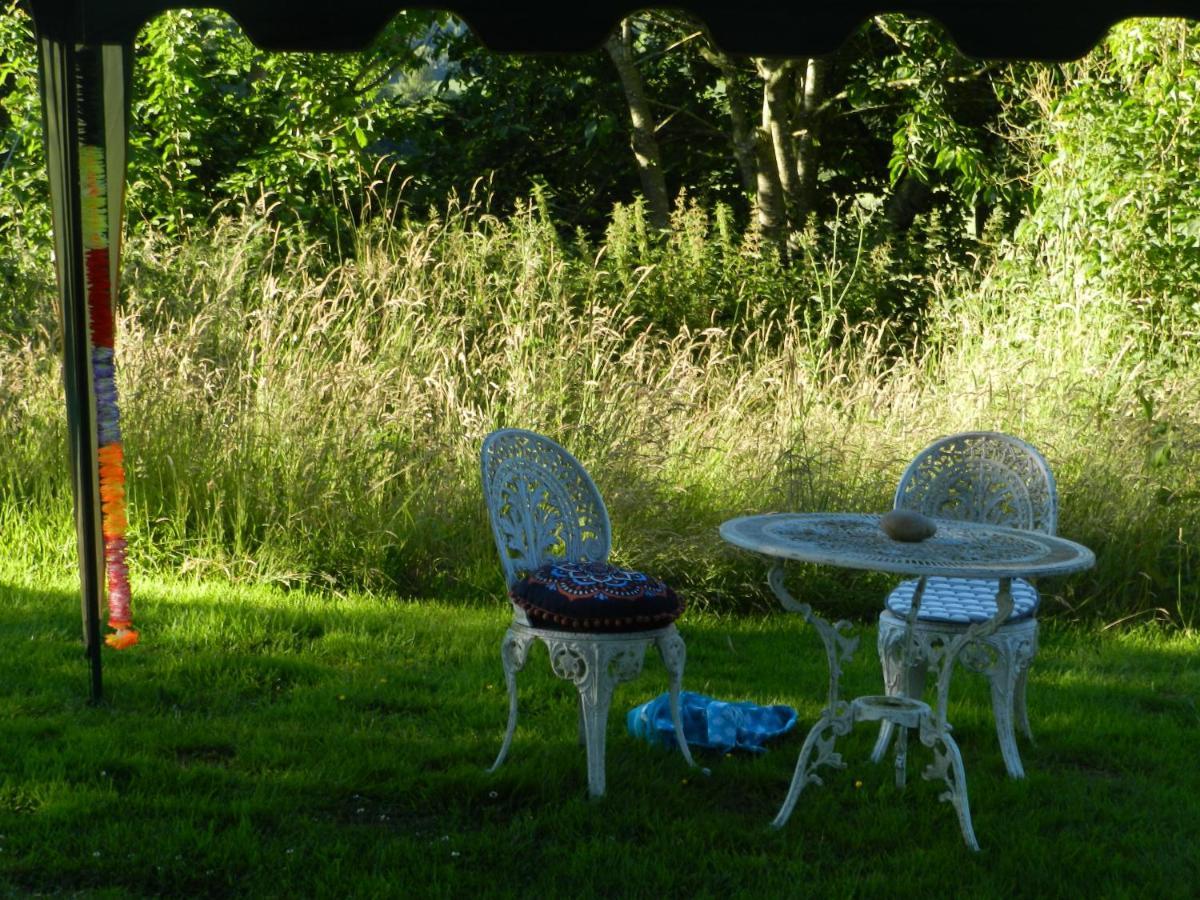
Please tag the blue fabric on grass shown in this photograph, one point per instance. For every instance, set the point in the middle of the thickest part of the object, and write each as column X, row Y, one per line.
column 713, row 724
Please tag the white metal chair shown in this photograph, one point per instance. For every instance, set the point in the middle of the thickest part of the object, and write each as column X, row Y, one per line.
column 979, row 476
column 553, row 534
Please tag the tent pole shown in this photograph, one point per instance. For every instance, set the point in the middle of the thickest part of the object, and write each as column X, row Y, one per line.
column 85, row 106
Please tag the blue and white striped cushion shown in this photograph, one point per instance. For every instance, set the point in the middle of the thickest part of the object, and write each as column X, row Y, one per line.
column 962, row 600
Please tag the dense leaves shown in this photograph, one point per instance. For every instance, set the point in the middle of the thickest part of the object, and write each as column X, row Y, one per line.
column 932, row 157
column 24, row 207
column 1118, row 178
column 219, row 120
column 517, row 122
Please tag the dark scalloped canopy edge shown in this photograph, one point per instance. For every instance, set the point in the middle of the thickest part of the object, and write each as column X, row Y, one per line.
column 1012, row 29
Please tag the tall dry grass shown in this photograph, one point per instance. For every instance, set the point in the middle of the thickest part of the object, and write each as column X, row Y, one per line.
column 293, row 417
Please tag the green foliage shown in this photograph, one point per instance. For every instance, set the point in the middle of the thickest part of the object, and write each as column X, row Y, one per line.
column 218, row 119
column 1117, row 189
column 904, row 105
column 305, row 411
column 24, row 210
column 1101, row 276
column 24, row 221
column 219, row 122
column 703, row 273
column 553, row 121
column 943, row 102
column 561, row 121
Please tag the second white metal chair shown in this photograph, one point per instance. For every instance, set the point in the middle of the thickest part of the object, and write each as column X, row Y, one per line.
column 979, row 476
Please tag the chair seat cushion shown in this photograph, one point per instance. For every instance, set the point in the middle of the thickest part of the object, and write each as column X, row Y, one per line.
column 587, row 596
column 962, row 600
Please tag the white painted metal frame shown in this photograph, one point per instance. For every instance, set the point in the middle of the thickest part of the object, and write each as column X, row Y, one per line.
column 544, row 507
column 905, row 713
column 958, row 550
column 978, row 476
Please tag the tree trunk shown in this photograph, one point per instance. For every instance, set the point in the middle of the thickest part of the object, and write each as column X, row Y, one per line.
column 643, row 140
column 742, row 133
column 807, row 128
column 778, row 89
column 771, row 207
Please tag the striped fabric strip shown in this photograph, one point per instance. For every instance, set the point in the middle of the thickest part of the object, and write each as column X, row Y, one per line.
column 99, row 235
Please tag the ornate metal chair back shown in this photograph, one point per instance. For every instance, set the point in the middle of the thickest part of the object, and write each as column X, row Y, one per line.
column 982, row 476
column 542, row 504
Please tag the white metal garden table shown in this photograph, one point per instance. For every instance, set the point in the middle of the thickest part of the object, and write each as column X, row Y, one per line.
column 855, row 541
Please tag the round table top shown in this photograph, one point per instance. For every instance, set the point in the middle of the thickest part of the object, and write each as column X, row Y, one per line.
column 956, row 550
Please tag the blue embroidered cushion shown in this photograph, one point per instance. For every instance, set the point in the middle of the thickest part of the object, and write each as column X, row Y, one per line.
column 588, row 596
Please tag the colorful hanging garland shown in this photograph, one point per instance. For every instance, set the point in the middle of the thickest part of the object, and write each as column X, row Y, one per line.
column 98, row 262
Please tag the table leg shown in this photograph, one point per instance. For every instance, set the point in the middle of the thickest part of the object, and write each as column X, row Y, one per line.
column 839, row 643
column 837, row 718
column 935, row 733
column 948, row 765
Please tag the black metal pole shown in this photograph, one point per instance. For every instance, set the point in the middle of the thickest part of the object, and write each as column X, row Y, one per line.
column 60, row 121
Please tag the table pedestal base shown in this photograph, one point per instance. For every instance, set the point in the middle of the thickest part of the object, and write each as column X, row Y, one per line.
column 956, row 549
column 904, row 713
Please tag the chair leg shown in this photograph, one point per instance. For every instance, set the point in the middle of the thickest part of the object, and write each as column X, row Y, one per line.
column 1026, row 651
column 514, row 650
column 596, row 703
column 1020, row 710
column 674, row 655
column 596, row 668
column 1002, row 677
column 897, row 682
column 1007, row 675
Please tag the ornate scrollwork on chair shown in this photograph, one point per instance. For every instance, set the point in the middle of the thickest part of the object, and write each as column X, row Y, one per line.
column 596, row 620
column 976, row 476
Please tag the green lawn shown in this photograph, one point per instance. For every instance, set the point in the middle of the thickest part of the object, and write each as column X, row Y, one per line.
column 270, row 743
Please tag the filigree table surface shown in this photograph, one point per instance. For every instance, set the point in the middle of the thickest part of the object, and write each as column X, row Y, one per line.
column 956, row 550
